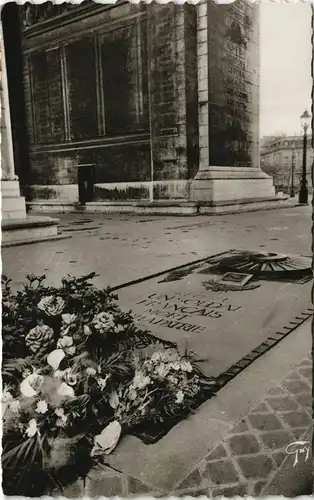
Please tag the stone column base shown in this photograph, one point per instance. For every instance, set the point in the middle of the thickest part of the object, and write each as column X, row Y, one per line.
column 29, row 230
column 13, row 205
column 217, row 185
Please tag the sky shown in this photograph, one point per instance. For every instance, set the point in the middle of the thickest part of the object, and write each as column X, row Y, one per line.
column 285, row 66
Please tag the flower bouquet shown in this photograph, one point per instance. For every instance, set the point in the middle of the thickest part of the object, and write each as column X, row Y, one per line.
column 77, row 375
column 164, row 386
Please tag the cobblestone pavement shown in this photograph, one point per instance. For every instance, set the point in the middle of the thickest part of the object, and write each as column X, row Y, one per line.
column 244, row 462
column 122, row 248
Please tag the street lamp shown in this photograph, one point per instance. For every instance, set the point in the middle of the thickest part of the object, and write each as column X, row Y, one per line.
column 305, row 123
column 292, row 194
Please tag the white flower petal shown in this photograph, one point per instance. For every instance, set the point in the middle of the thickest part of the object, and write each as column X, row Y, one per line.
column 55, row 357
column 66, row 341
column 4, row 407
column 42, row 407
column 70, row 350
column 26, row 386
column 114, row 400
column 90, row 371
column 106, row 442
column 66, row 391
column 59, row 373
column 59, row 412
column 32, row 428
column 87, row 330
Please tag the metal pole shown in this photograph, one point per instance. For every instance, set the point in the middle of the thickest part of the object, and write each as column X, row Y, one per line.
column 292, row 193
column 149, row 59
column 303, row 195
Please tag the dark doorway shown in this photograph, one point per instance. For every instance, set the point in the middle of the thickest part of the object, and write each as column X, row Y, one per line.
column 85, row 179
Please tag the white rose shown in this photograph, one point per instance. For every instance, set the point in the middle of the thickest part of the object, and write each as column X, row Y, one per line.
column 38, row 336
column 104, row 322
column 51, row 305
column 68, row 318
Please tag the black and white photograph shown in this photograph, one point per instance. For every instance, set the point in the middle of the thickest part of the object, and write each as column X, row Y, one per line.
column 156, row 248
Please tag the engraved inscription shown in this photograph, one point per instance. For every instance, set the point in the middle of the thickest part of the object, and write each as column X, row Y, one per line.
column 182, row 311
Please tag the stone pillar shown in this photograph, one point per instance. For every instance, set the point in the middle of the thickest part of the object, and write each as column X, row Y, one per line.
column 174, row 123
column 228, row 106
column 13, row 205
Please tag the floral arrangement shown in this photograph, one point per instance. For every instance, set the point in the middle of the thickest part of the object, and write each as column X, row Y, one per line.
column 78, row 373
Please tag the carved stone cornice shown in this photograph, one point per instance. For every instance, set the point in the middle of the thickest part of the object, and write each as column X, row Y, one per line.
column 37, row 18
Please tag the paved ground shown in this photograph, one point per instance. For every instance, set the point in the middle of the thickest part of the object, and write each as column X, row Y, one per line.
column 251, row 421
column 122, row 248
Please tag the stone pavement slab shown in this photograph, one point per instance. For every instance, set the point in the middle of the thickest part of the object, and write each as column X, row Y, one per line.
column 122, row 248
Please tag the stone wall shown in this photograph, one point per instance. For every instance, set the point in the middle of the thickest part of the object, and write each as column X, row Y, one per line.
column 165, row 92
column 233, row 66
column 173, row 65
column 111, row 114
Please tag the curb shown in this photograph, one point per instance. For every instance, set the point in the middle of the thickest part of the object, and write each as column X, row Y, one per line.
column 57, row 237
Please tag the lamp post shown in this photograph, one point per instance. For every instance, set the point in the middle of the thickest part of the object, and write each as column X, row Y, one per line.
column 305, row 123
column 292, row 194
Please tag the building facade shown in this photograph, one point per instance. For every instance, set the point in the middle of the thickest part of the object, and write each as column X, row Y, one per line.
column 282, row 155
column 136, row 102
column 16, row 226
